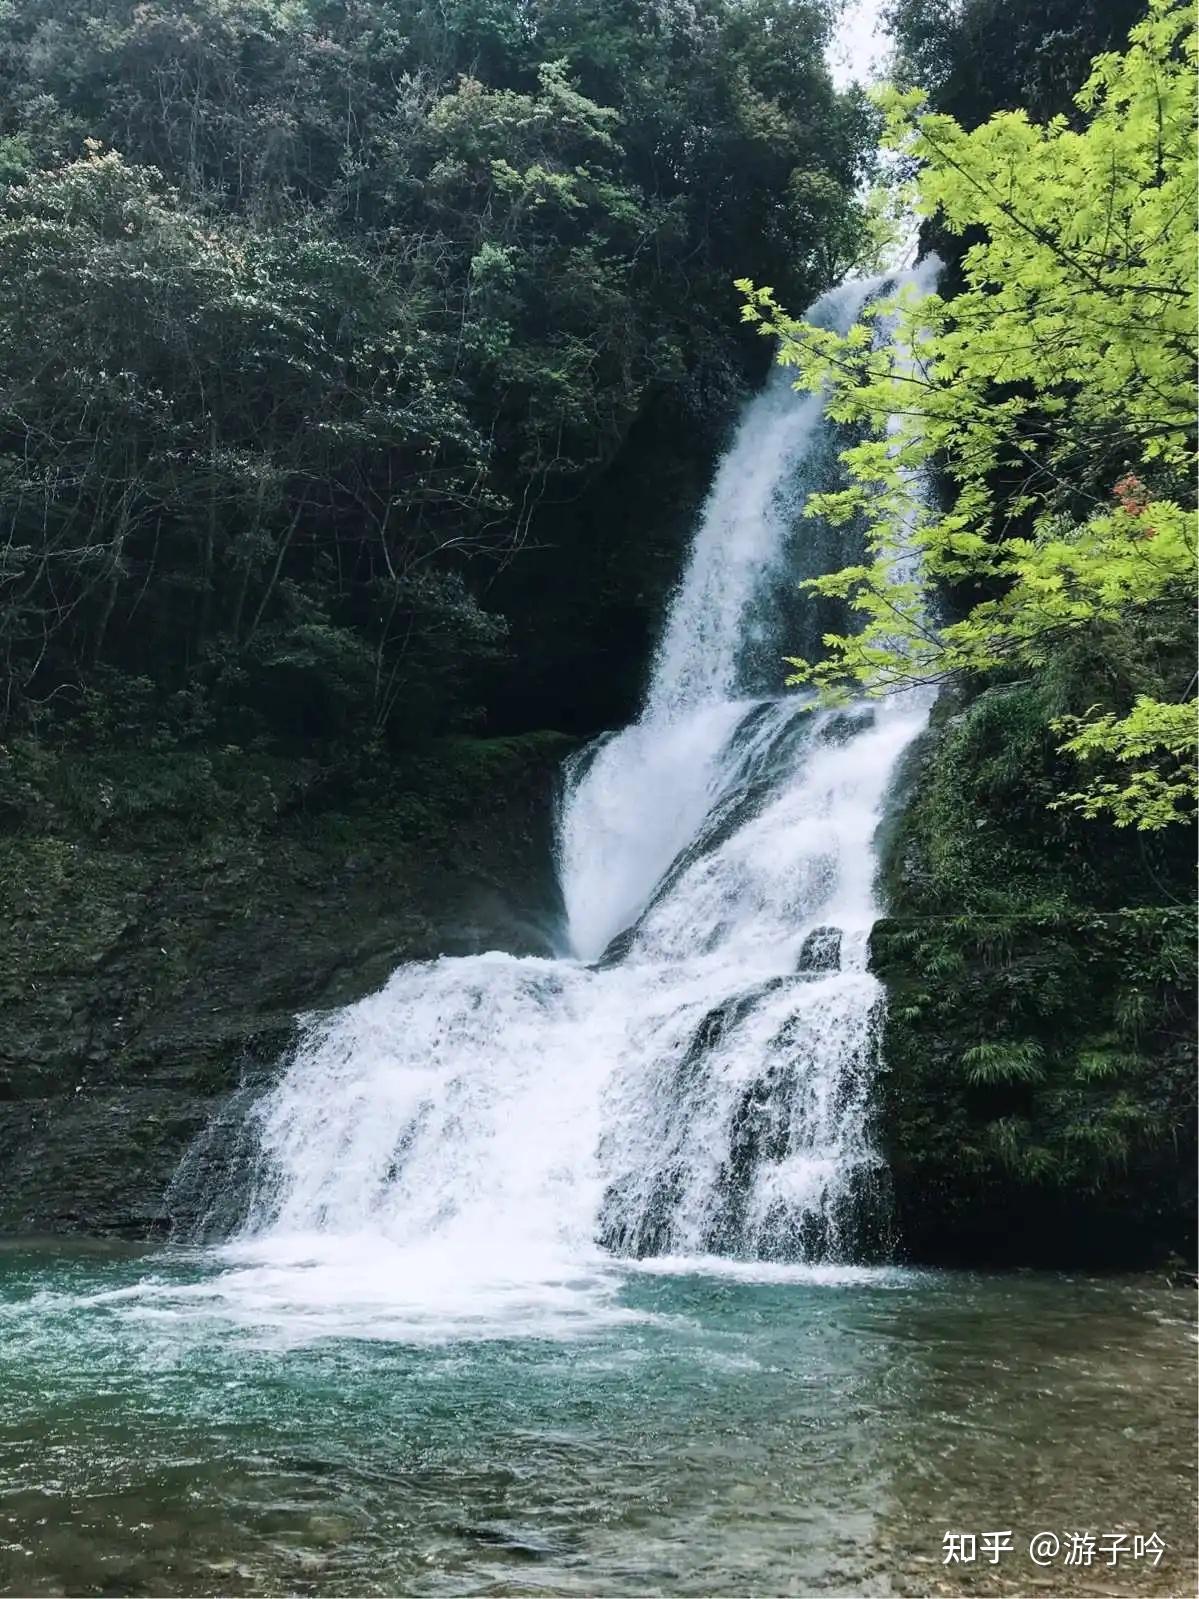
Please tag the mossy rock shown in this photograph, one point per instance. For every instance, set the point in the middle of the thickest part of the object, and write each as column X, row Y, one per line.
column 1038, row 1102
column 171, row 915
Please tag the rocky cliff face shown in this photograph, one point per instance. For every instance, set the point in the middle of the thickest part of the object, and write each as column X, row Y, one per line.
column 1038, row 1099
column 168, row 916
column 1038, row 1103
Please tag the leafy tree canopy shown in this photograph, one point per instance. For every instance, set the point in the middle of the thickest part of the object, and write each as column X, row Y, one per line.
column 306, row 308
column 976, row 57
column 1055, row 393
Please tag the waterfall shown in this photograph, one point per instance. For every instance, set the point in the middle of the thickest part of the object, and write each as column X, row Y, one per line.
column 693, row 1075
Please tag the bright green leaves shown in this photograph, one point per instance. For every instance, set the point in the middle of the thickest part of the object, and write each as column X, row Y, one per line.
column 1054, row 393
column 1151, row 753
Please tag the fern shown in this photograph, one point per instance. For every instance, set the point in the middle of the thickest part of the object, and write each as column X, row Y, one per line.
column 1005, row 1062
column 1006, row 1141
column 1133, row 1009
column 1098, row 1064
column 945, row 962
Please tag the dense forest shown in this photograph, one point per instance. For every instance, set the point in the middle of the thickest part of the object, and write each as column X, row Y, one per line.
column 363, row 361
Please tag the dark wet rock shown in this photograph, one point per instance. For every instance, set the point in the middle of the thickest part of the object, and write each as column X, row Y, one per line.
column 1078, row 1149
column 839, row 729
column 1037, row 1105
column 821, row 951
column 148, row 970
column 618, row 948
column 634, row 1226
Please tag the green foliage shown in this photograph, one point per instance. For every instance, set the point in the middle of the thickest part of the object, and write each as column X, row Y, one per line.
column 979, row 831
column 1055, row 1116
column 1103, row 1061
column 1039, row 1098
column 994, row 1062
column 313, row 315
column 1155, row 744
column 977, row 57
column 1055, row 392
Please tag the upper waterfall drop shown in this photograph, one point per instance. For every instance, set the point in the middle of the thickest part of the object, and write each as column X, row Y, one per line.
column 637, row 801
column 473, row 1143
column 741, row 542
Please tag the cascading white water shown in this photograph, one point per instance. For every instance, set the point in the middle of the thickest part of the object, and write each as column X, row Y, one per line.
column 694, row 1076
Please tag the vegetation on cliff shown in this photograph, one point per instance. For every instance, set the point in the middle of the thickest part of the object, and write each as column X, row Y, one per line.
column 1038, row 1098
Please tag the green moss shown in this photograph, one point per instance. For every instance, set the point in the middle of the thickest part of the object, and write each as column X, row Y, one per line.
column 975, row 831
